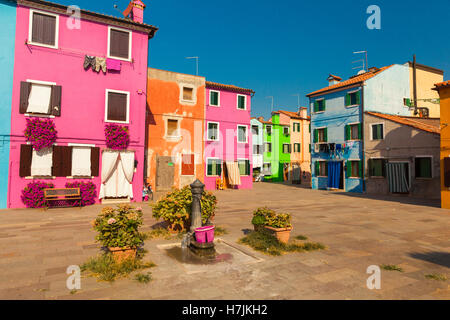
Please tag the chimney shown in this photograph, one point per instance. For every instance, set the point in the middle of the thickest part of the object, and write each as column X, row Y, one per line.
column 332, row 79
column 260, row 119
column 135, row 11
column 303, row 112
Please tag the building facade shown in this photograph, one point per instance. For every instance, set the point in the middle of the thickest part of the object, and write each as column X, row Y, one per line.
column 443, row 88
column 228, row 141
column 337, row 123
column 81, row 79
column 7, row 36
column 258, row 144
column 402, row 155
column 175, row 129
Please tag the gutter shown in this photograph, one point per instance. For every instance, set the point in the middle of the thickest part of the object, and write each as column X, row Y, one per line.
column 362, row 141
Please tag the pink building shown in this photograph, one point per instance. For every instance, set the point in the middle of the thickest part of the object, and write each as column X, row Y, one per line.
column 228, row 142
column 82, row 75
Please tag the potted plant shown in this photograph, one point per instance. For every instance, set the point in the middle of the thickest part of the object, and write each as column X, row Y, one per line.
column 175, row 208
column 260, row 217
column 280, row 225
column 118, row 231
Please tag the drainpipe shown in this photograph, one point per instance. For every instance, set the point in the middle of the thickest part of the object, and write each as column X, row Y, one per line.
column 362, row 140
column 415, row 84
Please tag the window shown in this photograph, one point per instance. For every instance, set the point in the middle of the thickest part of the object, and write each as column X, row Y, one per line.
column 377, row 131
column 244, row 167
column 423, row 167
column 214, row 98
column 269, row 130
column 40, row 98
column 241, row 102
column 188, row 94
column 119, row 44
column 319, row 105
column 296, row 127
column 353, row 98
column 213, row 131
column 267, row 147
column 117, row 104
column 321, row 169
column 320, row 135
column 255, row 130
column 286, row 131
column 354, row 169
column 81, row 162
column 267, row 169
column 214, row 167
column 353, row 132
column 377, row 167
column 42, row 162
column 296, row 147
column 187, row 164
column 286, row 148
column 172, row 128
column 43, row 29
column 242, row 134
column 446, row 172
column 257, row 149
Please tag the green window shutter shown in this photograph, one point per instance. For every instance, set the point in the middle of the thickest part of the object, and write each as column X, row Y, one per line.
column 316, row 135
column 325, row 134
column 383, row 167
column 310, row 128
column 317, row 168
column 360, row 131
column 361, row 168
column 310, row 148
column 324, row 105
column 247, row 169
column 209, row 170
column 347, row 99
column 349, row 169
column 371, row 168
column 219, row 168
column 349, row 132
column 358, row 97
column 316, row 106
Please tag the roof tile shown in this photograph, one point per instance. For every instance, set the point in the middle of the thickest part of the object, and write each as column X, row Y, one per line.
column 409, row 121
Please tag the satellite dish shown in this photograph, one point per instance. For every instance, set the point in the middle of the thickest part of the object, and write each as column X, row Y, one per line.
column 361, row 71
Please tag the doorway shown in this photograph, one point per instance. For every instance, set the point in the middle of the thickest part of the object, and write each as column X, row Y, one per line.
column 336, row 175
column 296, row 174
column 165, row 173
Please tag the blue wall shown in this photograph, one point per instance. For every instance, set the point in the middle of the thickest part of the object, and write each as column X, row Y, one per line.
column 7, row 39
column 335, row 118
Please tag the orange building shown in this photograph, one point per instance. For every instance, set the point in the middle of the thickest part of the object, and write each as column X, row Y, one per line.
column 444, row 94
column 175, row 128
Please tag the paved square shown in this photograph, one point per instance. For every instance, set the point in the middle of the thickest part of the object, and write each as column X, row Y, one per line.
column 36, row 247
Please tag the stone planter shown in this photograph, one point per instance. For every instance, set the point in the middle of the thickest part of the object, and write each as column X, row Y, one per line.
column 121, row 254
column 282, row 234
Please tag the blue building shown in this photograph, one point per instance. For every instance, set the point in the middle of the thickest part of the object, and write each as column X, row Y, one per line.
column 337, row 130
column 7, row 39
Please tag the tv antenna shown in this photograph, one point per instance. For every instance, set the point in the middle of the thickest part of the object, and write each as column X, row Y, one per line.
column 196, row 64
column 367, row 62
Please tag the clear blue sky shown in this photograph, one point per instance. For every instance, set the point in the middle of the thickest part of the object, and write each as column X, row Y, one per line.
column 280, row 48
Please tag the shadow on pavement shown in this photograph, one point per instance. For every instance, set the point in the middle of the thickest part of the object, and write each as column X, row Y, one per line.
column 441, row 258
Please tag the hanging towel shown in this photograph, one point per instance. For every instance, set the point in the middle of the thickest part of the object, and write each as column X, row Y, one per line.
column 100, row 63
column 89, row 61
column 113, row 64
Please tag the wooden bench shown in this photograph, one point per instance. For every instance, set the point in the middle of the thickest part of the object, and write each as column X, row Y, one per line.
column 62, row 196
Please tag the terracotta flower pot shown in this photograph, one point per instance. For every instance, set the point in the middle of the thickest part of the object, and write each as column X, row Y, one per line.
column 121, row 254
column 282, row 234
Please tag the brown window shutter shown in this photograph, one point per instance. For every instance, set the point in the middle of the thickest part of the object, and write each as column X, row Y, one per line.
column 26, row 154
column 117, row 106
column 44, row 29
column 57, row 162
column 66, row 161
column 95, row 160
column 55, row 101
column 447, row 172
column 119, row 43
column 25, row 89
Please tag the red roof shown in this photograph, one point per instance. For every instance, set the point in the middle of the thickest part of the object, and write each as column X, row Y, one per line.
column 292, row 114
column 352, row 81
column 411, row 121
column 215, row 85
column 441, row 85
column 334, row 77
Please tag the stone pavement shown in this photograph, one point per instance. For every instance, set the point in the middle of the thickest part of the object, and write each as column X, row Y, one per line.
column 37, row 246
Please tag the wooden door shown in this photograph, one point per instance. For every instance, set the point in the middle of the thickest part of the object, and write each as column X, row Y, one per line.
column 165, row 170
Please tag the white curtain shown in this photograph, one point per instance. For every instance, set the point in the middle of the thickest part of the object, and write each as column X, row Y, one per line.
column 81, row 162
column 117, row 174
column 39, row 100
column 41, row 162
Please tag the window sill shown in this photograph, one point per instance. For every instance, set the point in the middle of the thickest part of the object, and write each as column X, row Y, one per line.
column 211, row 105
column 86, row 177
column 118, row 58
column 354, row 178
column 210, row 140
column 425, row 179
column 353, row 106
column 117, row 121
column 38, row 115
column 188, row 101
column 30, row 43
column 321, row 176
column 172, row 138
column 318, row 112
column 40, row 178
column 242, row 142
column 377, row 177
column 241, row 109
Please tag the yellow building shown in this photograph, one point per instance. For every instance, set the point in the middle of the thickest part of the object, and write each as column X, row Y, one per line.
column 426, row 77
column 443, row 89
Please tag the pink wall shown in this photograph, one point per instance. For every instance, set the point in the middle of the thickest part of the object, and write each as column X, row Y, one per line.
column 228, row 149
column 83, row 92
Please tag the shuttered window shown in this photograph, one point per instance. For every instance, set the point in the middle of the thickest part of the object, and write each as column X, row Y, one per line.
column 353, row 99
column 42, row 162
column 286, row 131
column 241, row 102
column 423, row 167
column 119, row 44
column 321, row 169
column 269, row 130
column 214, row 167
column 267, row 147
column 117, row 106
column 297, row 147
column 354, row 169
column 172, row 128
column 286, row 148
column 43, row 30
column 321, row 135
column 187, row 165
column 214, row 98
column 36, row 98
column 244, row 167
column 353, row 132
column 319, row 105
column 377, row 131
column 377, row 167
column 188, row 94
